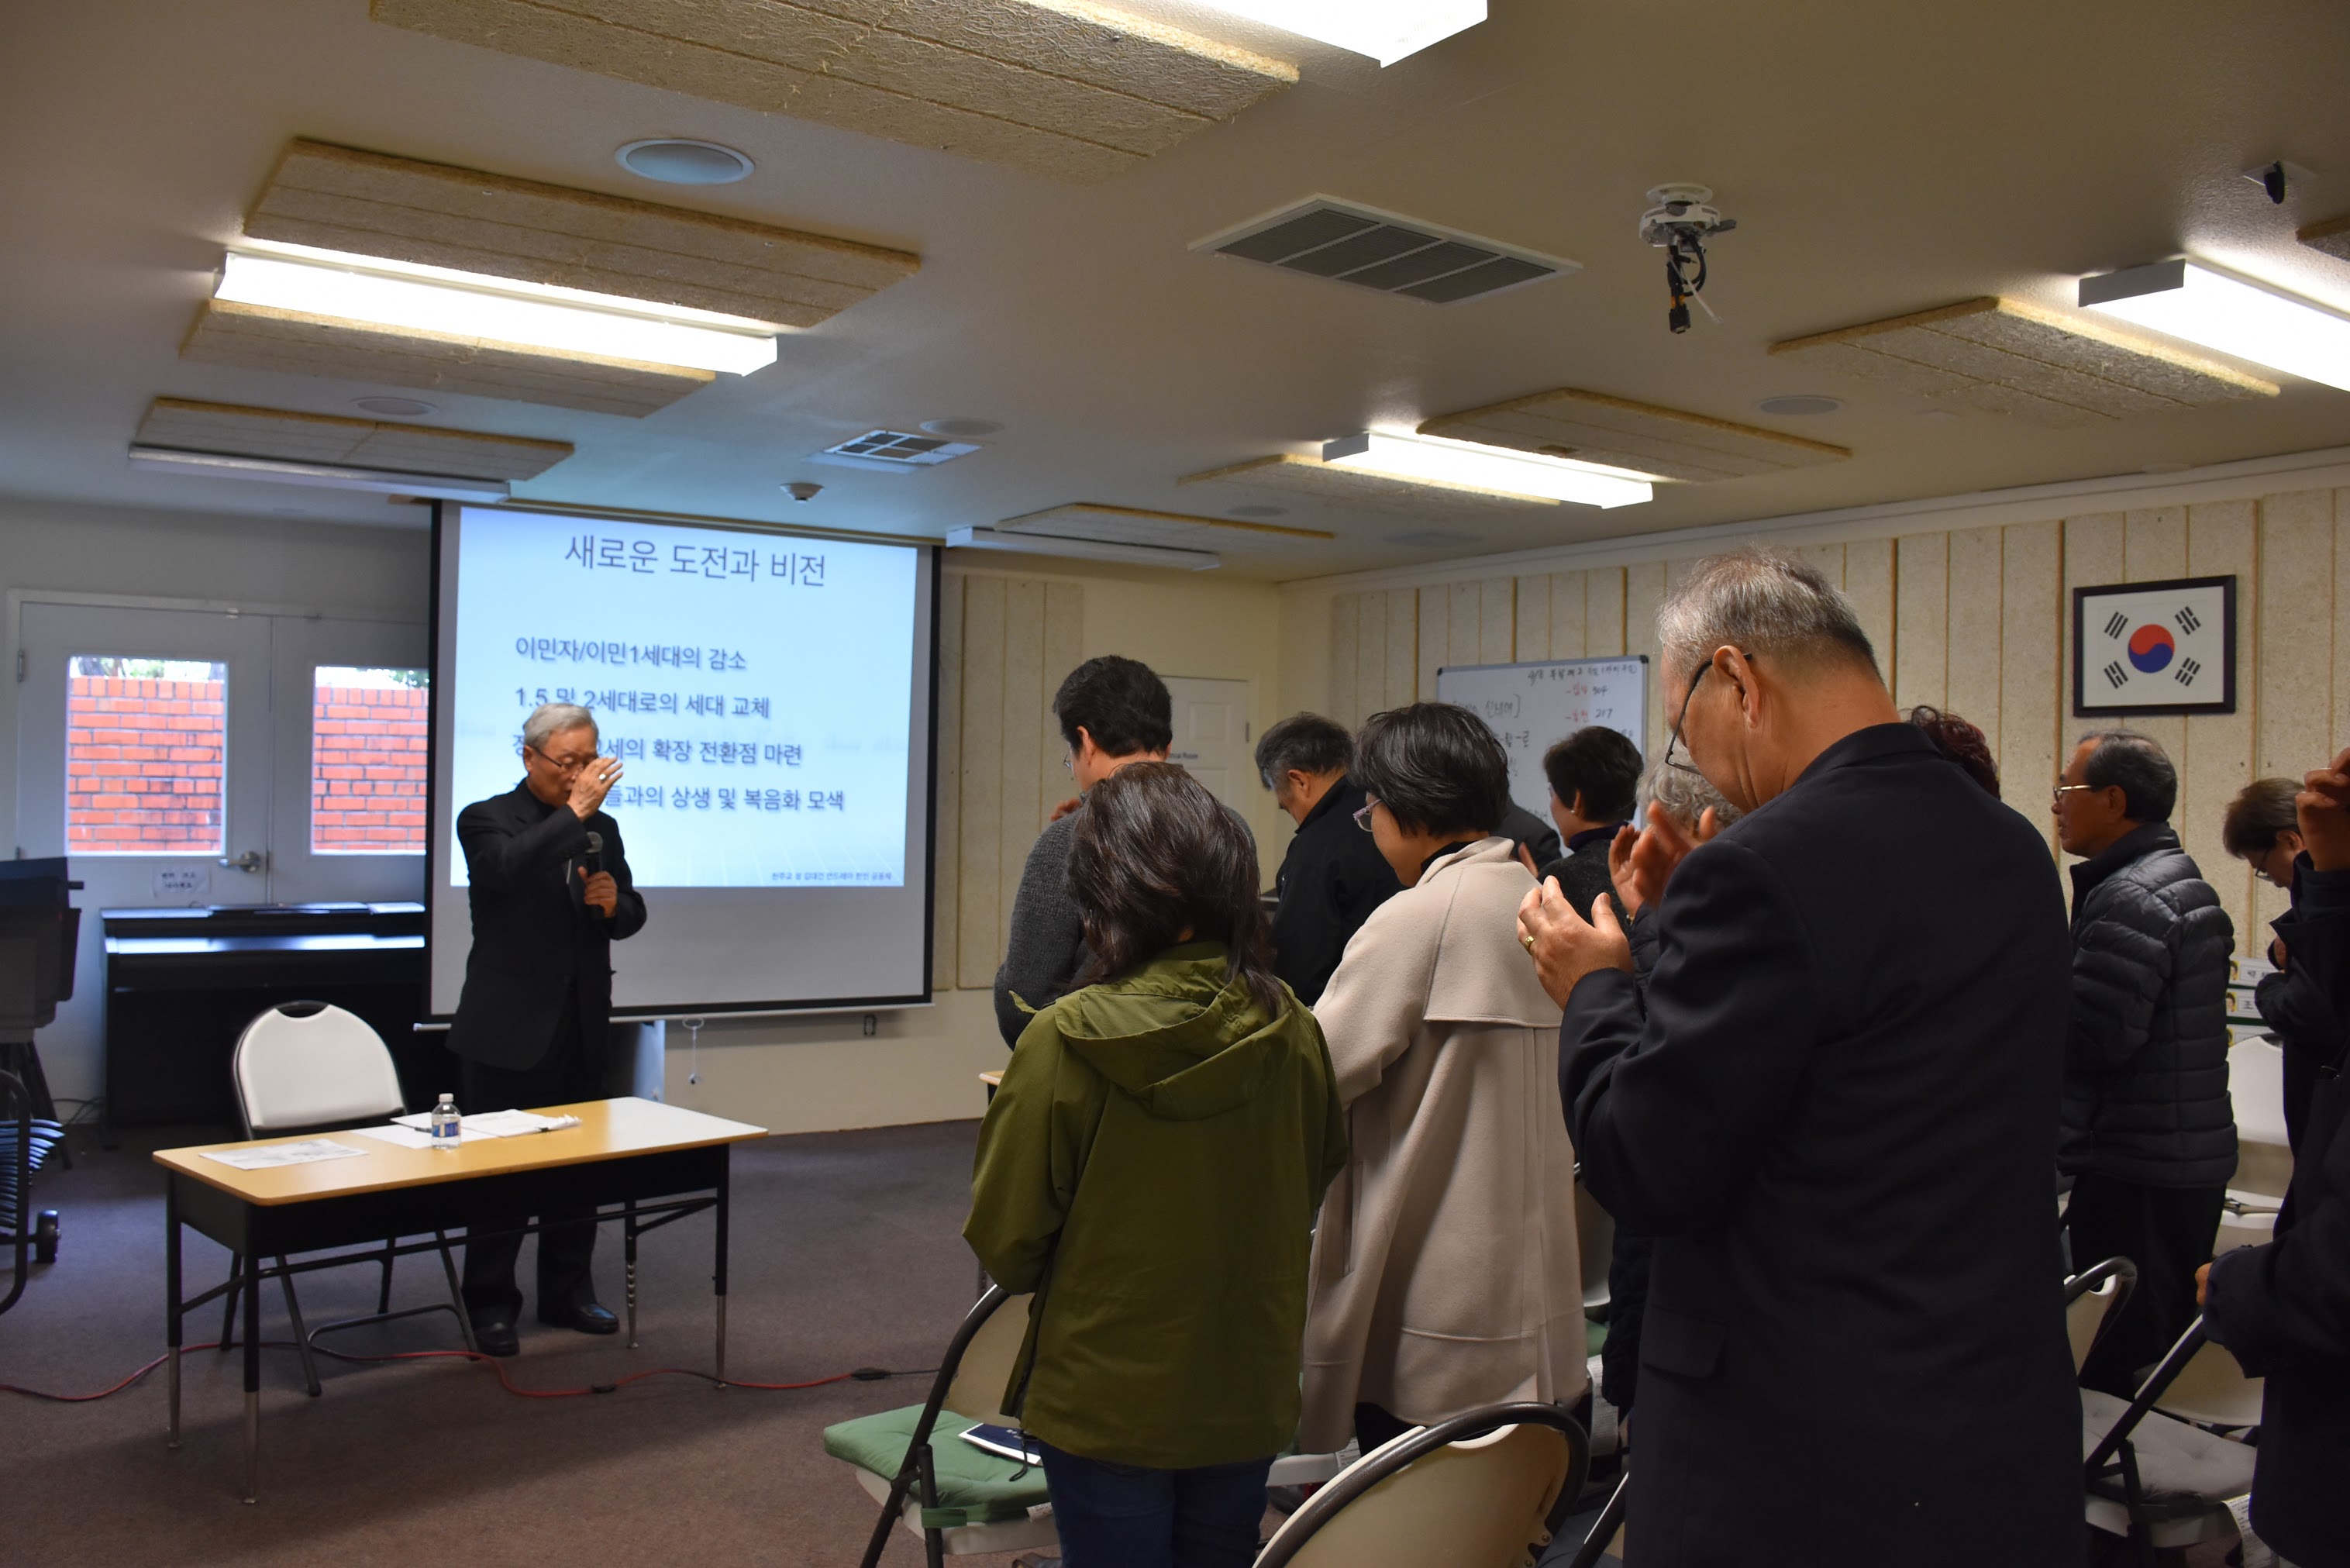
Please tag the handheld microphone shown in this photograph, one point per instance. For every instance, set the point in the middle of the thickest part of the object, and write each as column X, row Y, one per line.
column 594, row 859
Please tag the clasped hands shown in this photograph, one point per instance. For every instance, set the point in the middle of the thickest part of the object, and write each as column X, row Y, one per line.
column 1565, row 946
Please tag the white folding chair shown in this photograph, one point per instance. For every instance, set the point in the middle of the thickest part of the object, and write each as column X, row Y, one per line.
column 309, row 1066
column 1486, row 1488
column 2155, row 1481
column 2094, row 1298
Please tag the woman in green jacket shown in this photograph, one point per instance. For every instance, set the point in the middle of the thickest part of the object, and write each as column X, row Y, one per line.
column 1150, row 1169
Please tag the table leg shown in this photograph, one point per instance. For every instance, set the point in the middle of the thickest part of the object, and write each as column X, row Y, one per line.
column 629, row 1250
column 172, row 1298
column 253, row 1381
column 725, row 1186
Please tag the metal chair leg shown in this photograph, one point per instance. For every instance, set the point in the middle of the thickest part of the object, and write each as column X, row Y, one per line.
column 456, row 1292
column 383, row 1292
column 301, row 1334
column 228, row 1314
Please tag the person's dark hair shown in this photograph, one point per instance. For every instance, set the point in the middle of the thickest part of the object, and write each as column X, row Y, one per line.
column 1307, row 742
column 1121, row 703
column 2137, row 766
column 1154, row 853
column 2262, row 810
column 1600, row 766
column 1437, row 768
column 1961, row 743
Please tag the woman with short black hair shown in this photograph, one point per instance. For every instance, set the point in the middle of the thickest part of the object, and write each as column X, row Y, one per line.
column 1150, row 1169
column 1445, row 1270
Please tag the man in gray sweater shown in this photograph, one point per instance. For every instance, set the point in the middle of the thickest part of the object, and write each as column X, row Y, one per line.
column 1113, row 711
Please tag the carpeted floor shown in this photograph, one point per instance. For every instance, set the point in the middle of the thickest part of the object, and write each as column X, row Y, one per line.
column 846, row 1252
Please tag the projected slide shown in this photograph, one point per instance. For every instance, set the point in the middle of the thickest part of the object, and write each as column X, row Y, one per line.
column 755, row 689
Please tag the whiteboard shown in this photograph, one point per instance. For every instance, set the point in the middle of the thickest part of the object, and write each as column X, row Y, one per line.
column 1532, row 706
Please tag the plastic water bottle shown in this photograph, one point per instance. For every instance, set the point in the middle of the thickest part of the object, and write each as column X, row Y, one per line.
column 445, row 1123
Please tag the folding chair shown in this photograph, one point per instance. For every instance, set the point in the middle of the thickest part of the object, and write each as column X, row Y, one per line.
column 1486, row 1488
column 2094, row 1298
column 2160, row 1482
column 307, row 1066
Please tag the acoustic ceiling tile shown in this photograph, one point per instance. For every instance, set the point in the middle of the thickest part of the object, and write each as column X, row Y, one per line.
column 229, row 430
column 1061, row 87
column 2331, row 236
column 261, row 338
column 1670, row 443
column 433, row 215
column 2047, row 367
column 1166, row 530
column 1345, row 485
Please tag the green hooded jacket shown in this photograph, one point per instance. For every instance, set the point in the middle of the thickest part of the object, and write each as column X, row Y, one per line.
column 1150, row 1168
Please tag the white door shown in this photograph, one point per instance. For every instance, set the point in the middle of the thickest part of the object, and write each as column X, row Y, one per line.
column 168, row 755
column 347, row 818
column 1212, row 739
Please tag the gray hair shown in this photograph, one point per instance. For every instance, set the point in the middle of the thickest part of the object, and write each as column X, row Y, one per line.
column 550, row 719
column 1686, row 797
column 1759, row 601
column 1307, row 742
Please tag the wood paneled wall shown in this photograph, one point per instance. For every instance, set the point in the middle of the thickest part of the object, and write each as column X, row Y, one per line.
column 1004, row 645
column 1978, row 621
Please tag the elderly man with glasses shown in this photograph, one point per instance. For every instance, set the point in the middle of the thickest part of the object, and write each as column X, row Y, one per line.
column 1833, row 1101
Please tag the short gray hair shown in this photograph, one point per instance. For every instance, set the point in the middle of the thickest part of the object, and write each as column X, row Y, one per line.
column 1687, row 797
column 1759, row 601
column 550, row 719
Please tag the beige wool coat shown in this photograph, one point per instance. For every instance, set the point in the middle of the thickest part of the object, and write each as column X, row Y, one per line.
column 1444, row 1274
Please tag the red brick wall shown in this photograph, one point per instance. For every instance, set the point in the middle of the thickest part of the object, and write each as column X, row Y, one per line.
column 143, row 764
column 367, row 770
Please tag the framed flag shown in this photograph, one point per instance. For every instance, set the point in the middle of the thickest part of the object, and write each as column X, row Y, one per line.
column 2155, row 647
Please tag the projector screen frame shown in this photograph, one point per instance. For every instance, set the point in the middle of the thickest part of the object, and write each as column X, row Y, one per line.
column 932, row 567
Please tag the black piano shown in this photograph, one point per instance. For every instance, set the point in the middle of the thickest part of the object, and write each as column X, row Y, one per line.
column 182, row 983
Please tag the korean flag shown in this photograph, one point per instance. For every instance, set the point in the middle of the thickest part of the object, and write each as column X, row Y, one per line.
column 2159, row 646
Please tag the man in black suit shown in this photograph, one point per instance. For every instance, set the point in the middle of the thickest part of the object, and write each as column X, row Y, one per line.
column 533, row 1023
column 1834, row 1106
column 1333, row 876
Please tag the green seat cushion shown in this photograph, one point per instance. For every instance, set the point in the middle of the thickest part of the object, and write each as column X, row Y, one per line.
column 974, row 1487
column 1594, row 1335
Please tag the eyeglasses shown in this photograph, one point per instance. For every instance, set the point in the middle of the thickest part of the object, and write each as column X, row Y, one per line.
column 2062, row 790
column 563, row 764
column 1363, row 817
column 1682, row 718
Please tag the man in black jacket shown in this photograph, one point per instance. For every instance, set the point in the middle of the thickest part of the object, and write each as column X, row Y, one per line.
column 533, row 1022
column 2149, row 1137
column 2283, row 1310
column 1594, row 782
column 1834, row 1108
column 2261, row 829
column 1333, row 876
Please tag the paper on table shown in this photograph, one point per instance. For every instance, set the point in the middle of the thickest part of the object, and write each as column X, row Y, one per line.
column 495, row 1124
column 414, row 1137
column 278, row 1153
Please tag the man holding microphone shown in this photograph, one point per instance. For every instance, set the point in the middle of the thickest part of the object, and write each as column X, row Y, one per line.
column 550, row 892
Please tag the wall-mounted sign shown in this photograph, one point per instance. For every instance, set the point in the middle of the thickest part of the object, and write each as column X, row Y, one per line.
column 2155, row 647
column 179, row 881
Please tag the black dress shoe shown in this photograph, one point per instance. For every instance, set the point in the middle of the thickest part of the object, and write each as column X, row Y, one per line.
column 495, row 1336
column 587, row 1317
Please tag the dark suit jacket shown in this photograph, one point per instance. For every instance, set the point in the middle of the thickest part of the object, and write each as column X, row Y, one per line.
column 1331, row 879
column 1835, row 1107
column 2284, row 1309
column 2294, row 1007
column 533, row 936
column 1582, row 871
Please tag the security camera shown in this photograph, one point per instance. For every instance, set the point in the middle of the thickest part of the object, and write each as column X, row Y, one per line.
column 803, row 491
column 1679, row 225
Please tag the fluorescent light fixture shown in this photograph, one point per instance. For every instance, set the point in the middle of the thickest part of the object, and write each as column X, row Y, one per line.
column 1476, row 466
column 2238, row 315
column 276, row 471
column 1083, row 549
column 1387, row 30
column 403, row 295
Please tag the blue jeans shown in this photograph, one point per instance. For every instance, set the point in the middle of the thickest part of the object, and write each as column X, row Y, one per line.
column 1123, row 1516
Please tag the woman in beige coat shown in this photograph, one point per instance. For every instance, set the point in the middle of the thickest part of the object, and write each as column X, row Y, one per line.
column 1444, row 1274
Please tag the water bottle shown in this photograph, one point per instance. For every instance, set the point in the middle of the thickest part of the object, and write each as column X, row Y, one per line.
column 445, row 1123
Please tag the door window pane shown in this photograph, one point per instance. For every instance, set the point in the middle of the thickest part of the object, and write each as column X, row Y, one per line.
column 367, row 760
column 146, row 745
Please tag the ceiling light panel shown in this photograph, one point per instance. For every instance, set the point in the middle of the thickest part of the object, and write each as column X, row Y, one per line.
column 178, row 424
column 469, row 221
column 1381, row 251
column 1065, row 88
column 2043, row 365
column 1469, row 465
column 316, row 475
column 1081, row 549
column 1387, row 30
column 349, row 288
column 1164, row 530
column 1670, row 444
column 2231, row 313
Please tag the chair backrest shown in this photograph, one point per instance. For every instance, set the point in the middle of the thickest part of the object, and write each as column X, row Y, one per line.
column 2214, row 1390
column 977, row 1390
column 1465, row 1492
column 2093, row 1299
column 1595, row 1239
column 307, row 1064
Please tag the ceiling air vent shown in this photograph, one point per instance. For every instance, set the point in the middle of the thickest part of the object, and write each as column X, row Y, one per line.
column 893, row 452
column 1324, row 238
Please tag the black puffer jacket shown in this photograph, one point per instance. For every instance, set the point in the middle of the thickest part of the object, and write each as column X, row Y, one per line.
column 2145, row 1065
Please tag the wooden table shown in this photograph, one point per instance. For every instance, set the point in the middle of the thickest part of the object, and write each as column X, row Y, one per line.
column 625, row 1152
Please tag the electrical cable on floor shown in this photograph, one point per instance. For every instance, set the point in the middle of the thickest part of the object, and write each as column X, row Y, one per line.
column 860, row 1375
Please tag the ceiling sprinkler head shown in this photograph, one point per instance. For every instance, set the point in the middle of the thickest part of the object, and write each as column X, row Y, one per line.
column 803, row 491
